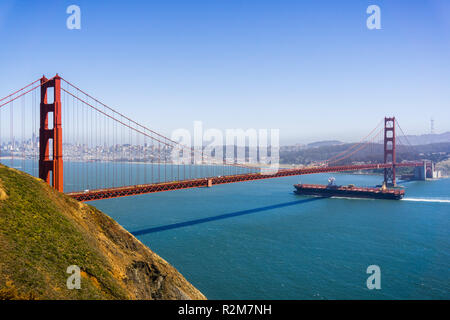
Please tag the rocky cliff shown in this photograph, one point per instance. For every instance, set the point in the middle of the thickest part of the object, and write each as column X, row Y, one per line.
column 43, row 232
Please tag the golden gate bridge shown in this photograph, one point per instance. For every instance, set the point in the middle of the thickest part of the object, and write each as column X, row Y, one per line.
column 77, row 142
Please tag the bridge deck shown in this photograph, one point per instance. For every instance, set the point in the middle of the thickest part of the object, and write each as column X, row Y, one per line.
column 203, row 182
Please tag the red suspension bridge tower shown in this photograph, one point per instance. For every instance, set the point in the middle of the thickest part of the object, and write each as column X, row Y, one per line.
column 389, row 151
column 51, row 163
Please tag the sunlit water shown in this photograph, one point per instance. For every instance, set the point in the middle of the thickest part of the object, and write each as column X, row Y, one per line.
column 258, row 240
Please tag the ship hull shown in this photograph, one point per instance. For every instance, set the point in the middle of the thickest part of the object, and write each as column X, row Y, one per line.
column 348, row 192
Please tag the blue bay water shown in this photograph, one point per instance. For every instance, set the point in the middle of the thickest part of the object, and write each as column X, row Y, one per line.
column 258, row 240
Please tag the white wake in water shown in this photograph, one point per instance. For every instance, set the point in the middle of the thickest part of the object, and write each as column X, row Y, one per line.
column 427, row 200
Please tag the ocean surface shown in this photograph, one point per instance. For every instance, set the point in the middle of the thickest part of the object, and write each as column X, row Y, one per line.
column 258, row 240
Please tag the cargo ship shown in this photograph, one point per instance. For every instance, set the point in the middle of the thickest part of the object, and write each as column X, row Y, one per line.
column 350, row 191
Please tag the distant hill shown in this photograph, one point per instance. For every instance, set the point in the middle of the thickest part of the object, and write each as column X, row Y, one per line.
column 374, row 153
column 42, row 232
column 424, row 139
column 323, row 143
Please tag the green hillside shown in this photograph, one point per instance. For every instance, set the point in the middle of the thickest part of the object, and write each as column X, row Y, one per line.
column 42, row 232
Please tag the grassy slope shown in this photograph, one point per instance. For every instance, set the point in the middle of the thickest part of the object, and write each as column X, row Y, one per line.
column 42, row 232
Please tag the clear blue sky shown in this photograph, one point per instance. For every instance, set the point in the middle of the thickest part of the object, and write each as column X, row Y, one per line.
column 310, row 68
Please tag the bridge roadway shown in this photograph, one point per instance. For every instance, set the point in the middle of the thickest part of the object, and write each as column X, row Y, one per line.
column 108, row 193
